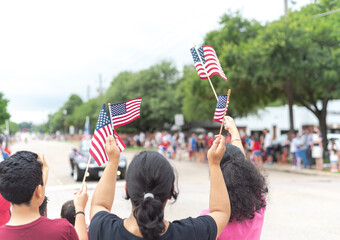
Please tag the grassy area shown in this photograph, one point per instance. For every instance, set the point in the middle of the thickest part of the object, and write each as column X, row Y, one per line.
column 141, row 149
column 329, row 170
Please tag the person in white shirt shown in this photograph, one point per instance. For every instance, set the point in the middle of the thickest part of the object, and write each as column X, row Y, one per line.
column 317, row 149
column 333, row 149
column 267, row 145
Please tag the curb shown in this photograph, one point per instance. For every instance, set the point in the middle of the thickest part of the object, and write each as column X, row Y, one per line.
column 301, row 172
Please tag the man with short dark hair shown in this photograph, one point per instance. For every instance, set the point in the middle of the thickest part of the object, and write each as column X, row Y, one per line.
column 23, row 178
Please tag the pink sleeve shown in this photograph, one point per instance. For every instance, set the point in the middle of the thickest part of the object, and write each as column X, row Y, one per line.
column 205, row 212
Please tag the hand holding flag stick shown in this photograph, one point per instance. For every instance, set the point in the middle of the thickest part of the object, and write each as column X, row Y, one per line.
column 225, row 110
column 104, row 128
column 86, row 174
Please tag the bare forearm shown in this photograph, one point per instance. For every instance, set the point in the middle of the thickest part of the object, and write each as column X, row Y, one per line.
column 219, row 197
column 80, row 226
column 236, row 140
column 104, row 194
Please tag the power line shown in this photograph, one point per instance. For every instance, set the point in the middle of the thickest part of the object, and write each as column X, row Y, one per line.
column 326, row 13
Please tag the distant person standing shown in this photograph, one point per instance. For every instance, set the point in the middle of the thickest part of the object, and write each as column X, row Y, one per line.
column 192, row 147
column 257, row 153
column 333, row 149
column 201, row 148
column 304, row 150
column 3, row 155
column 267, row 145
column 142, row 138
column 293, row 149
column 317, row 149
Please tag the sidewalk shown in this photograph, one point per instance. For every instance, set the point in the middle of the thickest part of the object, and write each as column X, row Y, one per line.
column 291, row 169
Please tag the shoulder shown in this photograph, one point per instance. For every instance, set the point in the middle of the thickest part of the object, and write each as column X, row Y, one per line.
column 102, row 222
column 60, row 225
column 104, row 216
column 203, row 227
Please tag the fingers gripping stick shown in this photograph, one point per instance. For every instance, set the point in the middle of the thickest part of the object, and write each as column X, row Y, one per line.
column 225, row 110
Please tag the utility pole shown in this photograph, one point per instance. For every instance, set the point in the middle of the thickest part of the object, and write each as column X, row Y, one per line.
column 289, row 91
column 88, row 92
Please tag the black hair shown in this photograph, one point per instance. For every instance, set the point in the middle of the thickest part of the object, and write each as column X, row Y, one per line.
column 43, row 207
column 247, row 187
column 150, row 172
column 68, row 212
column 20, row 174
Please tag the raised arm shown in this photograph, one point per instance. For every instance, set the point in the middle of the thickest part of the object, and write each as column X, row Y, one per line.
column 219, row 203
column 103, row 196
column 80, row 200
column 230, row 126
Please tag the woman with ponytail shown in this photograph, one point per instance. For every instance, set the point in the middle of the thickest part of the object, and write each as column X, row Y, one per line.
column 150, row 183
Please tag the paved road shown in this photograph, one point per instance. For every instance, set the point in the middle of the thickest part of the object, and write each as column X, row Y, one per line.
column 299, row 206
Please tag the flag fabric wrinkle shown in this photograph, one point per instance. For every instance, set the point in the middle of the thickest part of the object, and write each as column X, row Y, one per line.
column 209, row 65
column 102, row 131
column 125, row 112
column 221, row 108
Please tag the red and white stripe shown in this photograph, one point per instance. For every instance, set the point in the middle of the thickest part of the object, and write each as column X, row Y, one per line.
column 220, row 113
column 132, row 112
column 120, row 143
column 212, row 65
column 97, row 149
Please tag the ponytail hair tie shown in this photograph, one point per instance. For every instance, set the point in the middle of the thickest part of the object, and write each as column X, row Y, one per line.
column 146, row 195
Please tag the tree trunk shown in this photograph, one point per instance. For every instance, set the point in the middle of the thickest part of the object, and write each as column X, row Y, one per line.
column 290, row 97
column 322, row 117
column 323, row 124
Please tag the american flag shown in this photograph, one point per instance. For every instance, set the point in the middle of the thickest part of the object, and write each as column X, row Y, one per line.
column 210, row 62
column 125, row 112
column 103, row 130
column 220, row 107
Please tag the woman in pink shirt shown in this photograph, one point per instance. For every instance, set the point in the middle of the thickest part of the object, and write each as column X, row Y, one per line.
column 247, row 190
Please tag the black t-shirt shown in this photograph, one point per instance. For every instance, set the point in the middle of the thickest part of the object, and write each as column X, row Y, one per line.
column 106, row 225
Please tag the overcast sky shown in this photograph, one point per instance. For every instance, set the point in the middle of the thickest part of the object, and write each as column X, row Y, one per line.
column 51, row 49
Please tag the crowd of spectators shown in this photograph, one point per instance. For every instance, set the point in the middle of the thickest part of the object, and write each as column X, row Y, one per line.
column 150, row 184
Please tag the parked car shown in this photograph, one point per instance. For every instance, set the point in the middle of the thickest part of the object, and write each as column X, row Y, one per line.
column 79, row 160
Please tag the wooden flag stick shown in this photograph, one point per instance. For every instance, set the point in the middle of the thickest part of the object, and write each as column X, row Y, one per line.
column 225, row 110
column 112, row 133
column 206, row 72
column 87, row 168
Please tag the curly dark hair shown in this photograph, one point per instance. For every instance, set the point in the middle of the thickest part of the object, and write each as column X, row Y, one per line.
column 247, row 187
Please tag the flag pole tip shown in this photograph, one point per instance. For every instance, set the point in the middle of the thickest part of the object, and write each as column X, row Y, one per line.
column 109, row 104
column 229, row 92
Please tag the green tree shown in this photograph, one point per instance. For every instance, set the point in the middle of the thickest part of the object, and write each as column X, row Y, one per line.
column 62, row 119
column 231, row 43
column 13, row 127
column 157, row 86
column 299, row 58
column 4, row 115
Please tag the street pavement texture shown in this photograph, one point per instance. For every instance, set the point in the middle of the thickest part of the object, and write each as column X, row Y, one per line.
column 299, row 206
